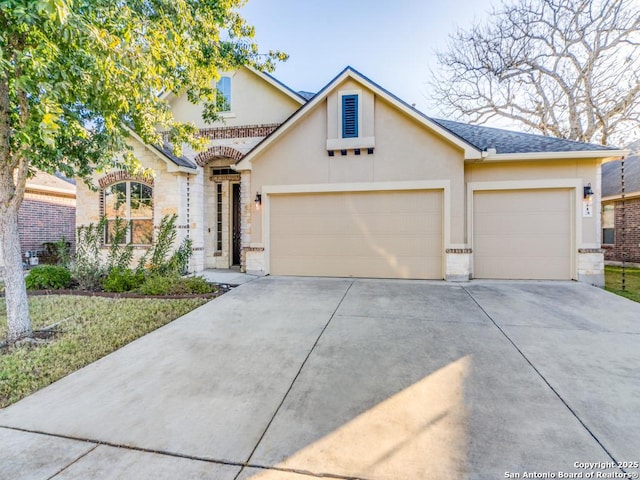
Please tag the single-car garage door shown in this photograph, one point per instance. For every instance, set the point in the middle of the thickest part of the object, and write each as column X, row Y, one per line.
column 357, row 234
column 522, row 234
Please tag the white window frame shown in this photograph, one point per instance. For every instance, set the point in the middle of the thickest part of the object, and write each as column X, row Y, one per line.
column 127, row 210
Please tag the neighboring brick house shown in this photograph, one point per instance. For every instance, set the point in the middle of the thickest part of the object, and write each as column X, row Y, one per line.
column 619, row 245
column 47, row 213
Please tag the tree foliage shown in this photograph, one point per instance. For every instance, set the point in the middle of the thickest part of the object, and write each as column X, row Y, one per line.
column 567, row 68
column 75, row 74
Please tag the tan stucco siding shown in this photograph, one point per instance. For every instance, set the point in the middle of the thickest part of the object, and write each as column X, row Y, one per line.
column 253, row 102
column 584, row 170
column 405, row 151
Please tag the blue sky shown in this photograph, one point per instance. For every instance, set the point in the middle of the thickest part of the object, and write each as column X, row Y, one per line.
column 392, row 43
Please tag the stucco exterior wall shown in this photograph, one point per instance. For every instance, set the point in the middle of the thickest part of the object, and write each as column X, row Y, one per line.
column 404, row 151
column 253, row 102
column 584, row 170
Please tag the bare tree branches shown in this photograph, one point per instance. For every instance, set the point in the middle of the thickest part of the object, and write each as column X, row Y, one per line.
column 567, row 68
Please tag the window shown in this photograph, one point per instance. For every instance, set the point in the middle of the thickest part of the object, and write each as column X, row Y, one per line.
column 219, row 217
column 349, row 116
column 608, row 224
column 133, row 202
column 223, row 97
column 219, row 171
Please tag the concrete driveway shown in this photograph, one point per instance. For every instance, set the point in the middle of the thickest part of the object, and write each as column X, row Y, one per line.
column 295, row 378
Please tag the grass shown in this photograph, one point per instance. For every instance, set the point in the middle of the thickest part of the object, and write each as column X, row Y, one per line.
column 613, row 282
column 90, row 328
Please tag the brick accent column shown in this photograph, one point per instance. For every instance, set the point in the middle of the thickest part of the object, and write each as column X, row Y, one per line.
column 246, row 203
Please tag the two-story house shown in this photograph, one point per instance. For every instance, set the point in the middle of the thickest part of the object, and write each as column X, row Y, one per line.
column 355, row 182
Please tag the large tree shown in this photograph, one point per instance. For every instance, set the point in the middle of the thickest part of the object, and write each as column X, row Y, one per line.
column 566, row 68
column 75, row 74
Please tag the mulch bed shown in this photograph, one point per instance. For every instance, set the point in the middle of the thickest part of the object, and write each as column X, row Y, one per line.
column 222, row 289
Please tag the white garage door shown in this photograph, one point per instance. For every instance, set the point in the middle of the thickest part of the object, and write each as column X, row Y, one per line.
column 522, row 234
column 357, row 234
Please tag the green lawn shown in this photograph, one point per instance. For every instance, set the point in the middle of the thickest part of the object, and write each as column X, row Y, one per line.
column 90, row 328
column 613, row 282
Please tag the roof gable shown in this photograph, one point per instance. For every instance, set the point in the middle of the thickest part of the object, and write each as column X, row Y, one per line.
column 300, row 97
column 349, row 73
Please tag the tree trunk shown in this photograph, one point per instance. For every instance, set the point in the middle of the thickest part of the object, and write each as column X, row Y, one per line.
column 18, row 321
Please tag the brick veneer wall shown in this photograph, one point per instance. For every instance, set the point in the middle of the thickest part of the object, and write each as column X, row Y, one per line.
column 44, row 218
column 632, row 237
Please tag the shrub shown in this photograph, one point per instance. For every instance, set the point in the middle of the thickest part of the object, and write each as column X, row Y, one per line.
column 173, row 285
column 122, row 280
column 193, row 285
column 88, row 269
column 157, row 285
column 57, row 253
column 157, row 259
column 120, row 253
column 48, row 277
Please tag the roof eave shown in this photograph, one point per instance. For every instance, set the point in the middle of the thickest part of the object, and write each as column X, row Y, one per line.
column 605, row 155
column 278, row 84
column 171, row 166
column 618, row 196
column 47, row 189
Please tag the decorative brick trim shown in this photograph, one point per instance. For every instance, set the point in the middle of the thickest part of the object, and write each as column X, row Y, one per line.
column 458, row 250
column 218, row 151
column 253, row 249
column 590, row 250
column 122, row 176
column 225, row 133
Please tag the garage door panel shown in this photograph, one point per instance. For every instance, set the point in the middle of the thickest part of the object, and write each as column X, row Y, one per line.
column 553, row 246
column 518, row 201
column 344, row 267
column 522, row 234
column 362, row 234
column 537, row 268
column 504, row 224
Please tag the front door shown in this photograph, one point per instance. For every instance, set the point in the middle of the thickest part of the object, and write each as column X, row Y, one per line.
column 235, row 224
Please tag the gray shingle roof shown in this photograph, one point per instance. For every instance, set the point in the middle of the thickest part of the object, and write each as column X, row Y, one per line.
column 179, row 161
column 306, row 95
column 506, row 141
column 611, row 173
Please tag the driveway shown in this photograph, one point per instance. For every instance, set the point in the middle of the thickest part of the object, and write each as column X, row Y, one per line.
column 295, row 378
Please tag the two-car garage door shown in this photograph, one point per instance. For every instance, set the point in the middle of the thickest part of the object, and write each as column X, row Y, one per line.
column 517, row 234
column 389, row 234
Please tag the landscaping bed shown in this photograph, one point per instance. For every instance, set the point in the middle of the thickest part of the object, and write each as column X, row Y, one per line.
column 96, row 301
column 613, row 282
column 72, row 331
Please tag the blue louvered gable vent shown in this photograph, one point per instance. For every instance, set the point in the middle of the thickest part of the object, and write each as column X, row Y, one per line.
column 349, row 116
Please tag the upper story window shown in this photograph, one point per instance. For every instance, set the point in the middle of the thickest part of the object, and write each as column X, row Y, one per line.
column 132, row 202
column 223, row 96
column 350, row 116
column 608, row 224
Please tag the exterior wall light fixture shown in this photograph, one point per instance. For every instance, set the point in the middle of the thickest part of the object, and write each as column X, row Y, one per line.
column 588, row 192
column 258, row 200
